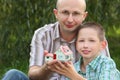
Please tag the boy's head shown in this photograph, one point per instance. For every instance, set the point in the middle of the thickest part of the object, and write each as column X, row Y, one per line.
column 97, row 27
column 90, row 39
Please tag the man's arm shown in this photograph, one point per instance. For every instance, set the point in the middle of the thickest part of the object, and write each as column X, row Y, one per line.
column 39, row 73
column 105, row 51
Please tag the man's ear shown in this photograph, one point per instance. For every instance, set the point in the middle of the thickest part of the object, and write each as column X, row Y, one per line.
column 55, row 11
column 85, row 15
column 103, row 44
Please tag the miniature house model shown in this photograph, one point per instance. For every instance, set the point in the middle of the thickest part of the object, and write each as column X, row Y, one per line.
column 62, row 54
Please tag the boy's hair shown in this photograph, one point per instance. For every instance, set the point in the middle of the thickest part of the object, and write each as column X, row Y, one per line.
column 95, row 26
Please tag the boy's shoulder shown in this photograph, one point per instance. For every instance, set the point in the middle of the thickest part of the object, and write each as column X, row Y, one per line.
column 107, row 61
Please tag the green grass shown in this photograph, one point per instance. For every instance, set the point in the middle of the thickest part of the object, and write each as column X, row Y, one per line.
column 20, row 64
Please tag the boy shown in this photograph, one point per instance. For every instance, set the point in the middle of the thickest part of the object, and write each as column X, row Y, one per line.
column 92, row 65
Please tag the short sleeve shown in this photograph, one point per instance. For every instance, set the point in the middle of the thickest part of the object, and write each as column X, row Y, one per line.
column 109, row 71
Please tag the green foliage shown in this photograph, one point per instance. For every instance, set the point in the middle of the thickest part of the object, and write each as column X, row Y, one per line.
column 104, row 11
column 113, row 37
column 20, row 18
column 107, row 13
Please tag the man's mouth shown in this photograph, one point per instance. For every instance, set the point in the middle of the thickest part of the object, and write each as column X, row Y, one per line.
column 69, row 26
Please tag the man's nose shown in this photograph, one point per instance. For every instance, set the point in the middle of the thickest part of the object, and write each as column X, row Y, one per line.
column 70, row 18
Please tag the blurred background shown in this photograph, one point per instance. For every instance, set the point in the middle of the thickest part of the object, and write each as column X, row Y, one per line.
column 20, row 18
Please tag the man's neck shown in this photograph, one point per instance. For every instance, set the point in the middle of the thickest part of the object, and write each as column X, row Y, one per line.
column 68, row 36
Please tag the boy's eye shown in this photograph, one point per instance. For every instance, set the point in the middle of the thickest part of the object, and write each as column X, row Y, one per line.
column 81, row 40
column 92, row 40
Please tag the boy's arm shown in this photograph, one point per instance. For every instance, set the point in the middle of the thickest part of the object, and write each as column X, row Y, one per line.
column 66, row 69
column 109, row 71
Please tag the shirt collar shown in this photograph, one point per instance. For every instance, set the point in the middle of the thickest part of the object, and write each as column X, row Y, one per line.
column 94, row 63
column 56, row 31
column 57, row 34
column 77, row 64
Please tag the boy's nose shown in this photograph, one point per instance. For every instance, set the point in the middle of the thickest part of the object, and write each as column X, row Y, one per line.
column 85, row 45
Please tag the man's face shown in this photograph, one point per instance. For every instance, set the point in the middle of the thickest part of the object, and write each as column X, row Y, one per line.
column 70, row 14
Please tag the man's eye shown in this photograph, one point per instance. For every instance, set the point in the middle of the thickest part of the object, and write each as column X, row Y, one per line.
column 65, row 12
column 76, row 14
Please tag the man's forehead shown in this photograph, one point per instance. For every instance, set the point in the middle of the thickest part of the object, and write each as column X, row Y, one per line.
column 71, row 3
column 71, row 10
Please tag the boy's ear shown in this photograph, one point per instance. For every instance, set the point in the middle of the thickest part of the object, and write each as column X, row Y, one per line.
column 103, row 44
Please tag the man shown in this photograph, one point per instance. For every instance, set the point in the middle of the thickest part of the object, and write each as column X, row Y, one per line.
column 70, row 14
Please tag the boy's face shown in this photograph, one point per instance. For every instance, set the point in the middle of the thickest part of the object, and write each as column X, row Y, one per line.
column 70, row 14
column 88, row 43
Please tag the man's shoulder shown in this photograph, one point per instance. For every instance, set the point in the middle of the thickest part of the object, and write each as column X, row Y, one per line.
column 47, row 27
column 47, row 31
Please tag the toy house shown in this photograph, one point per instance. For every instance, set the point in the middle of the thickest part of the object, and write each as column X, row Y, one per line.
column 62, row 54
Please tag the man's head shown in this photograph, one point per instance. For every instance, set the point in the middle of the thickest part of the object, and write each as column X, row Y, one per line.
column 90, row 40
column 70, row 14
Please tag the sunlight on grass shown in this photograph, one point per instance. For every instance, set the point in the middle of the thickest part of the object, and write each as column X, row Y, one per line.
column 117, row 61
column 113, row 31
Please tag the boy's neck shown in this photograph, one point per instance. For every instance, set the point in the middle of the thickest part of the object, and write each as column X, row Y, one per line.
column 84, row 64
column 83, row 68
column 86, row 61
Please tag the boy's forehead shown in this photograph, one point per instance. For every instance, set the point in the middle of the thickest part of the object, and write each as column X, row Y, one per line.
column 88, row 31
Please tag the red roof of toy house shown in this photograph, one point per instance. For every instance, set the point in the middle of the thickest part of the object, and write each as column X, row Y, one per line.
column 65, row 50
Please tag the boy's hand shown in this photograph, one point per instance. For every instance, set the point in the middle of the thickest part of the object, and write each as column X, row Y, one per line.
column 64, row 68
